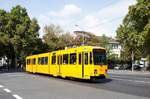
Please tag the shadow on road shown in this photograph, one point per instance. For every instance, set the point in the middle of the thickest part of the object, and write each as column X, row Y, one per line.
column 75, row 80
column 98, row 81
column 11, row 70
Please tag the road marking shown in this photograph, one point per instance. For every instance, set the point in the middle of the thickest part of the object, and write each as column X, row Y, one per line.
column 1, row 86
column 17, row 97
column 131, row 80
column 7, row 90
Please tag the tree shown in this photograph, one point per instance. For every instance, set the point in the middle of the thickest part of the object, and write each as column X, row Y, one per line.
column 18, row 33
column 51, row 38
column 131, row 33
column 104, row 41
column 87, row 38
column 147, row 39
column 66, row 39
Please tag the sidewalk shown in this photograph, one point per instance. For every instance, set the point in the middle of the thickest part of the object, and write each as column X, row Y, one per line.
column 11, row 70
column 128, row 72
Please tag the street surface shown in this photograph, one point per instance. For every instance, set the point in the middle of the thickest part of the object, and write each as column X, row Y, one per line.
column 22, row 85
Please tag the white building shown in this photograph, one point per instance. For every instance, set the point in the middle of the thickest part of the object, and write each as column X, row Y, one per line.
column 115, row 48
column 3, row 61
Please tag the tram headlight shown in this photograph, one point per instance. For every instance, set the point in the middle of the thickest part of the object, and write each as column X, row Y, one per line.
column 95, row 71
column 106, row 71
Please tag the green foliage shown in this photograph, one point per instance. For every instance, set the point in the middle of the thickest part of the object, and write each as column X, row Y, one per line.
column 147, row 36
column 51, row 38
column 104, row 41
column 86, row 37
column 132, row 33
column 19, row 35
column 55, row 38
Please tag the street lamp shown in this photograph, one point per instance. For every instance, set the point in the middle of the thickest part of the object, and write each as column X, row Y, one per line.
column 132, row 56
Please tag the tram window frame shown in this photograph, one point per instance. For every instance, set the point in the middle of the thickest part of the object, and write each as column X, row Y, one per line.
column 91, row 58
column 54, row 59
column 79, row 59
column 86, row 59
column 73, row 58
column 65, row 58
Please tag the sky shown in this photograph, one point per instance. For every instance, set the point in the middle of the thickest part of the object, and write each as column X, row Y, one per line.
column 95, row 16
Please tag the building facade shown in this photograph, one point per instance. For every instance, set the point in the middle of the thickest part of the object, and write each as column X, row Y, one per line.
column 115, row 48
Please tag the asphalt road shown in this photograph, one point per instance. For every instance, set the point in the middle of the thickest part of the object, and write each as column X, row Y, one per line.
column 21, row 85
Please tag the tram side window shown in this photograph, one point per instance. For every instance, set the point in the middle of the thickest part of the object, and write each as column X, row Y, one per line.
column 86, row 58
column 29, row 61
column 39, row 61
column 53, row 59
column 79, row 58
column 90, row 57
column 73, row 58
column 58, row 61
column 34, row 61
column 42, row 61
column 46, row 60
column 65, row 59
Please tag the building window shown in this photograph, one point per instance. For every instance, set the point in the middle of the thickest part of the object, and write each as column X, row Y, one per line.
column 114, row 46
column 73, row 58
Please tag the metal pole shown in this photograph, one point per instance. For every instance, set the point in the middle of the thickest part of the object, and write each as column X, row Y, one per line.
column 132, row 55
column 83, row 39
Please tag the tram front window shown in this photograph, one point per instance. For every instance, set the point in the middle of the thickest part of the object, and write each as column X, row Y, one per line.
column 99, row 56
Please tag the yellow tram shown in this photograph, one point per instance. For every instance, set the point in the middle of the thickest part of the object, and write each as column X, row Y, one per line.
column 84, row 62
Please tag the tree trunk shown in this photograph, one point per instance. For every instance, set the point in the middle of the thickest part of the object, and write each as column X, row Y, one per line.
column 13, row 60
column 13, row 56
column 149, row 60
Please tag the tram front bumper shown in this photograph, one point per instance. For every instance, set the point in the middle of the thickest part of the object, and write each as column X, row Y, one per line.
column 101, row 76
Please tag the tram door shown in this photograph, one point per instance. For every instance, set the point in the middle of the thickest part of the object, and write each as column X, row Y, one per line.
column 34, row 66
column 84, row 64
column 59, row 63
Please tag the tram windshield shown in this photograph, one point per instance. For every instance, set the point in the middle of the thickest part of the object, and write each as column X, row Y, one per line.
column 99, row 56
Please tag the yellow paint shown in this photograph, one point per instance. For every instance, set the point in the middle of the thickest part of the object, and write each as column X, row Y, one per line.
column 75, row 70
